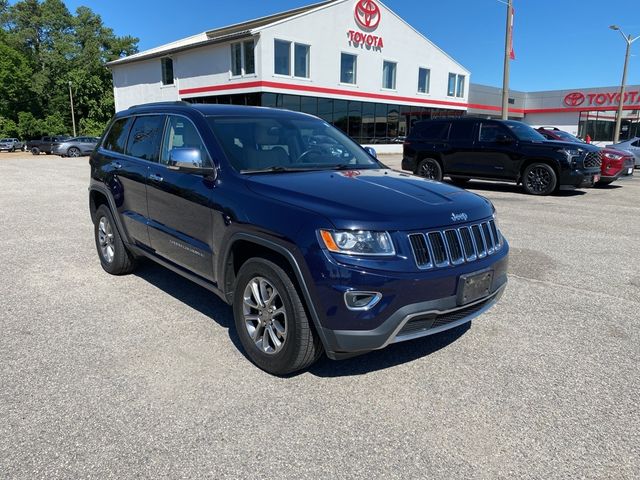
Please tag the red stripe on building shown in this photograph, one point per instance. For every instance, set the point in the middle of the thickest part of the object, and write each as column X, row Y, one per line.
column 323, row 90
column 380, row 96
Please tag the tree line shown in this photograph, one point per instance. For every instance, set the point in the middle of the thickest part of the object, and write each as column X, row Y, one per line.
column 43, row 47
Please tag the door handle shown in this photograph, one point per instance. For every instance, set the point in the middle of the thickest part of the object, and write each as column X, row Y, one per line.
column 156, row 178
column 116, row 165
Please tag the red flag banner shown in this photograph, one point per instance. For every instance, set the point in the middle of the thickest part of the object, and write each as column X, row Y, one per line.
column 512, row 52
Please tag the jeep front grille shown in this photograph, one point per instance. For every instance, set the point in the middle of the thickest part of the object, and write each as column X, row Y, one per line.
column 455, row 246
column 592, row 160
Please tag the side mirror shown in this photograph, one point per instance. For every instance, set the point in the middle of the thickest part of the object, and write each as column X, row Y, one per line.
column 188, row 160
column 504, row 139
column 371, row 151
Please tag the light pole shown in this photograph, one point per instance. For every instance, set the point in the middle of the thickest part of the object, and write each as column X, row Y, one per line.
column 629, row 39
column 507, row 60
column 73, row 115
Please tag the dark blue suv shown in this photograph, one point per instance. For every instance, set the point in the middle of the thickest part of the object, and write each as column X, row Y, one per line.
column 317, row 245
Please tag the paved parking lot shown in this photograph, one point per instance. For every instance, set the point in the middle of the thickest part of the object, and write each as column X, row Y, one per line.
column 141, row 376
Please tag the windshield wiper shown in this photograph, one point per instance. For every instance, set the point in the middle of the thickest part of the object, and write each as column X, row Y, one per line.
column 276, row 169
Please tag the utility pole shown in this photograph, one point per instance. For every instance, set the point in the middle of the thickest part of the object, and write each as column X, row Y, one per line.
column 507, row 60
column 73, row 115
column 629, row 39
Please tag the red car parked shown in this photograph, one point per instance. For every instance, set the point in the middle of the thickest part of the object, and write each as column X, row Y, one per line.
column 615, row 163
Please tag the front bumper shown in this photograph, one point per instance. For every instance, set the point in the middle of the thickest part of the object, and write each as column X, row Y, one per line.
column 413, row 306
column 579, row 178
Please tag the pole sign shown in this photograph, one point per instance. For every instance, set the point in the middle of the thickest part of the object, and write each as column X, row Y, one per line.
column 577, row 99
column 368, row 15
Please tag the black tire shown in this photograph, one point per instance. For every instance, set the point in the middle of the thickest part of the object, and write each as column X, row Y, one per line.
column 73, row 152
column 430, row 168
column 35, row 151
column 459, row 181
column 123, row 261
column 12, row 150
column 301, row 347
column 539, row 179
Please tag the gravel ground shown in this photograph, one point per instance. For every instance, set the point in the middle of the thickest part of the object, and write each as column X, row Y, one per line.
column 141, row 376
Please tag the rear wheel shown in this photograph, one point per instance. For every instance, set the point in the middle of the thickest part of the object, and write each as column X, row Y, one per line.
column 35, row 151
column 430, row 168
column 114, row 256
column 271, row 320
column 539, row 179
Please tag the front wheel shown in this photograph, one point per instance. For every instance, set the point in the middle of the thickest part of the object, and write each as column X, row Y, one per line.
column 539, row 179
column 271, row 320
column 73, row 152
column 430, row 168
column 35, row 151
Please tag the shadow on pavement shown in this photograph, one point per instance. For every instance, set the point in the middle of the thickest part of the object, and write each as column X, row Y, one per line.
column 512, row 188
column 395, row 354
column 209, row 304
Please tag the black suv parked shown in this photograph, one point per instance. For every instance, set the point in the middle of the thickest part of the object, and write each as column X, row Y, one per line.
column 315, row 243
column 468, row 147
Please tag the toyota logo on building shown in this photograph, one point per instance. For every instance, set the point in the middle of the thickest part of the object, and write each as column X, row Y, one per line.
column 574, row 99
column 368, row 14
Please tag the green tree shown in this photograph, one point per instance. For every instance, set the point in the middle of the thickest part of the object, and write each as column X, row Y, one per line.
column 43, row 47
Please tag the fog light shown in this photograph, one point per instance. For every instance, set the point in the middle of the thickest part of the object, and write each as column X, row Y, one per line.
column 361, row 301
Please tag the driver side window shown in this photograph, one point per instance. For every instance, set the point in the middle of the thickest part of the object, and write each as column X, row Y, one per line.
column 489, row 132
column 182, row 134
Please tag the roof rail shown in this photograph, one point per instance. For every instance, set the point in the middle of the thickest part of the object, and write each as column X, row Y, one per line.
column 176, row 103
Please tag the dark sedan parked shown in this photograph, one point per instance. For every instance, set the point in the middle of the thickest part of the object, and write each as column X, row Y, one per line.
column 76, row 147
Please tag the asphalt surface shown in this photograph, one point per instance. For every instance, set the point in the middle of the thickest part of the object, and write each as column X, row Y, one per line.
column 141, row 376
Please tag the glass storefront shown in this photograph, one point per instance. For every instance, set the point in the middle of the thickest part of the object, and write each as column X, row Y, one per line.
column 365, row 122
column 600, row 125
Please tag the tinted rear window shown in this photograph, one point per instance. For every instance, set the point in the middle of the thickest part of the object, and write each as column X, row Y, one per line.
column 461, row 131
column 117, row 137
column 145, row 137
column 431, row 130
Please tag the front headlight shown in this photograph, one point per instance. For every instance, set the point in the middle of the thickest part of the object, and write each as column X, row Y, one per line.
column 363, row 242
column 572, row 152
column 612, row 156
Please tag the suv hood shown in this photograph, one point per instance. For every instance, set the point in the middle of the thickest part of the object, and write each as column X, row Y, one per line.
column 559, row 144
column 373, row 199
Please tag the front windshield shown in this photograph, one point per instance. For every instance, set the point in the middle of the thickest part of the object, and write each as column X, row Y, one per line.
column 284, row 143
column 524, row 132
column 567, row 137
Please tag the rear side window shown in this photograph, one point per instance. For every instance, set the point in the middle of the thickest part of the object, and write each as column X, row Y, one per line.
column 489, row 132
column 117, row 137
column 432, row 130
column 462, row 131
column 145, row 137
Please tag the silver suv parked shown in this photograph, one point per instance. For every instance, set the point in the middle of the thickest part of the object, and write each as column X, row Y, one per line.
column 11, row 145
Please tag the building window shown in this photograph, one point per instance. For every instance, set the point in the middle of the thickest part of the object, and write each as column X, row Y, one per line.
column 456, row 85
column 282, row 57
column 348, row 68
column 167, row 71
column 424, row 77
column 243, row 58
column 389, row 75
column 301, row 56
column 460, row 86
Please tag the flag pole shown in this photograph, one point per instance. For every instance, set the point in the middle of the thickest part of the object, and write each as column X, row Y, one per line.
column 508, row 43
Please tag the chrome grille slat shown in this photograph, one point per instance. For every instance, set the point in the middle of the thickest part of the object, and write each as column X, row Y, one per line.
column 455, row 246
column 439, row 249
column 592, row 160
column 421, row 251
column 467, row 243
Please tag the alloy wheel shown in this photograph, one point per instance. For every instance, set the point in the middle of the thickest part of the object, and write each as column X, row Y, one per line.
column 429, row 170
column 265, row 317
column 539, row 179
column 106, row 239
column 73, row 152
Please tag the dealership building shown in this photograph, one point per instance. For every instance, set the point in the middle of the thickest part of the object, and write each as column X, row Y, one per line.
column 354, row 63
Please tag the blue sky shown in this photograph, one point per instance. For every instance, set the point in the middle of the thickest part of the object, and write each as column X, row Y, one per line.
column 559, row 43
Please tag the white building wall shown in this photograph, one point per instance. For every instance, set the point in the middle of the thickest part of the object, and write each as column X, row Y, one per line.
column 567, row 121
column 326, row 31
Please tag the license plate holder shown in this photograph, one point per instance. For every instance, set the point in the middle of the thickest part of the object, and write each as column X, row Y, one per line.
column 474, row 286
column 630, row 171
column 596, row 179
